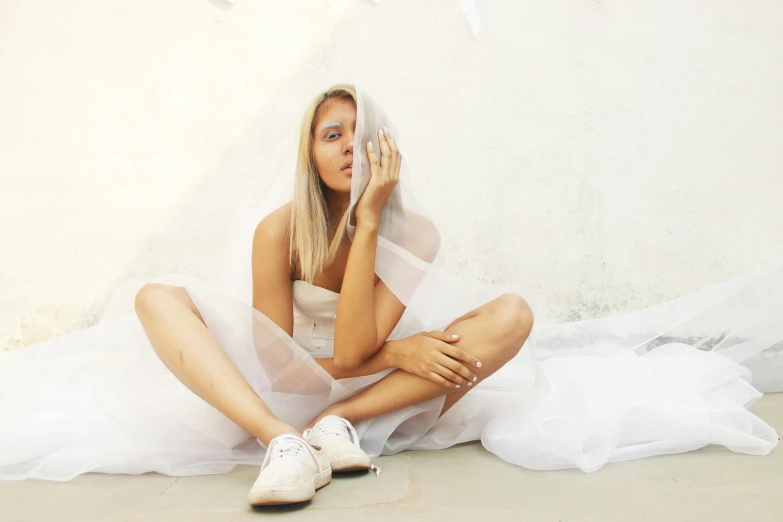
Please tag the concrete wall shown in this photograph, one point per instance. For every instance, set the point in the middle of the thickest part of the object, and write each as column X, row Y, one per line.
column 611, row 155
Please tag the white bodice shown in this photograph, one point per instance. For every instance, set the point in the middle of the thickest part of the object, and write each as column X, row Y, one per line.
column 315, row 311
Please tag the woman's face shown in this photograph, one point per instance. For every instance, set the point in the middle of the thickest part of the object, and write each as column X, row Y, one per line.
column 333, row 143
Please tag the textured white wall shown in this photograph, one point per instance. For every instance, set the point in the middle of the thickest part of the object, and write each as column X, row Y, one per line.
column 611, row 155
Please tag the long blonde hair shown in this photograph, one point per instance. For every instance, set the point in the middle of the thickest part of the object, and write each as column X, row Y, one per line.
column 310, row 220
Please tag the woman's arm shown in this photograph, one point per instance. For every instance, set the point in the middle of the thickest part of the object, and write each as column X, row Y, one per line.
column 272, row 293
column 359, row 332
column 356, row 330
column 430, row 355
column 378, row 362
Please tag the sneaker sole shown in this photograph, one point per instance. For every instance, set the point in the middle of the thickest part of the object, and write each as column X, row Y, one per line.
column 356, row 463
column 279, row 496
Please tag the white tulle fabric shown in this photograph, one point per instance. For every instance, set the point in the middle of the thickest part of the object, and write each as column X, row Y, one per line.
column 667, row 379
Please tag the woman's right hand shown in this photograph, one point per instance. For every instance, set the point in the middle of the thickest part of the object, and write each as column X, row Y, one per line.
column 384, row 176
column 432, row 355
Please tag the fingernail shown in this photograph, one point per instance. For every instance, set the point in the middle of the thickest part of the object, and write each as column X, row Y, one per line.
column 385, row 128
column 380, row 131
column 470, row 384
column 478, row 365
column 369, row 144
column 458, row 385
column 475, row 378
column 455, row 336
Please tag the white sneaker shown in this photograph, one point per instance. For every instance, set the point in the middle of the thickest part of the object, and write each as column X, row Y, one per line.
column 291, row 472
column 338, row 440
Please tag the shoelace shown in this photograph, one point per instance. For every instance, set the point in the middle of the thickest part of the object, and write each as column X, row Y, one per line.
column 288, row 446
column 341, row 429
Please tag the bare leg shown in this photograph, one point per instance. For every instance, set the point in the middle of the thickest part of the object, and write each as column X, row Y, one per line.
column 187, row 348
column 494, row 333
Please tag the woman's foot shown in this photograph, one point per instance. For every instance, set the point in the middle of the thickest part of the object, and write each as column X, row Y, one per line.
column 291, row 472
column 338, row 440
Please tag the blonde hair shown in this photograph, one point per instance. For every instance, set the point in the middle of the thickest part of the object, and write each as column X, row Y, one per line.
column 310, row 219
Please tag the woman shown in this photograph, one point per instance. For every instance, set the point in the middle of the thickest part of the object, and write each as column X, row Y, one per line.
column 306, row 242
column 333, row 307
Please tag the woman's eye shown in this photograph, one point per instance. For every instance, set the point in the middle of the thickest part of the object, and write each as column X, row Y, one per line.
column 332, row 135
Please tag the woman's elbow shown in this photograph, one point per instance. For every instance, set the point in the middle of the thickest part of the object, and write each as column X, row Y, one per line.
column 351, row 353
column 346, row 363
column 348, row 357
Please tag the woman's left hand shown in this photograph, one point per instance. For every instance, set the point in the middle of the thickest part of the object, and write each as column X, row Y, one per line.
column 433, row 356
column 384, row 176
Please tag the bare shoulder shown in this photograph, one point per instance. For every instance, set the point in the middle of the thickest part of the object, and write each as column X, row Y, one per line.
column 273, row 229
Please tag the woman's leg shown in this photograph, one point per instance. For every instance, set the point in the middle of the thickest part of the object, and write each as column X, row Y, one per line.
column 494, row 333
column 187, row 348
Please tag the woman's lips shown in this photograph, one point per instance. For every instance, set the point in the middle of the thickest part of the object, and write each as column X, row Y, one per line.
column 348, row 170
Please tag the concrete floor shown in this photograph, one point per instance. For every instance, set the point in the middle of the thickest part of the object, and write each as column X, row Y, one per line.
column 462, row 483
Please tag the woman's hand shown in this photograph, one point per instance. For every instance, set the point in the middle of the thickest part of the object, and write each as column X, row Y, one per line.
column 384, row 176
column 432, row 356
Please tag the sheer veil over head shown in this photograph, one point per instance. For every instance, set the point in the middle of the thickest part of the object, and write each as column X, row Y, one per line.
column 408, row 259
column 739, row 317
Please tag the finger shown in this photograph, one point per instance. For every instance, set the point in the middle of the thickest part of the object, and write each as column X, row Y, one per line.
column 390, row 141
column 459, row 368
column 442, row 336
column 451, row 375
column 437, row 379
column 461, row 355
column 396, row 158
column 383, row 141
column 454, row 352
column 371, row 154
column 373, row 157
column 385, row 152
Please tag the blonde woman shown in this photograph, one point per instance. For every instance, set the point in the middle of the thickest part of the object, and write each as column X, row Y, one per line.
column 305, row 243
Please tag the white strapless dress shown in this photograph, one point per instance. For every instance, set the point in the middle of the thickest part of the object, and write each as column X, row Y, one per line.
column 99, row 400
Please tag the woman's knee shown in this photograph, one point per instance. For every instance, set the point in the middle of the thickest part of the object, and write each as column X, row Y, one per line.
column 514, row 317
column 153, row 296
column 148, row 296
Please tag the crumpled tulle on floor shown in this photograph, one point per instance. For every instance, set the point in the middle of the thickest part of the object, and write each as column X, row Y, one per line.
column 100, row 400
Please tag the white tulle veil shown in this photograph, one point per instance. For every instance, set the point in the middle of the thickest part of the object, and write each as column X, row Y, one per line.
column 409, row 259
column 741, row 318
